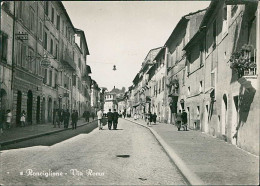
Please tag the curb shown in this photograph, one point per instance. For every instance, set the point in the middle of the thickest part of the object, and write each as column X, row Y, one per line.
column 191, row 177
column 4, row 143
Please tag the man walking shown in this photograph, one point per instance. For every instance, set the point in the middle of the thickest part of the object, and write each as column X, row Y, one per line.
column 8, row 119
column 109, row 119
column 74, row 118
column 66, row 118
column 178, row 119
column 115, row 119
column 99, row 116
column 184, row 119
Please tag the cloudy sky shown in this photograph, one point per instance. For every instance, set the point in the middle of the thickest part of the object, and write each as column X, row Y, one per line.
column 122, row 33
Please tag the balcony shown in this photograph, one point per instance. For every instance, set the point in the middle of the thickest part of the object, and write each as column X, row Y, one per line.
column 68, row 62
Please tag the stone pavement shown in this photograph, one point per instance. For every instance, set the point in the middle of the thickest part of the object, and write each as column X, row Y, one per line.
column 212, row 160
column 20, row 133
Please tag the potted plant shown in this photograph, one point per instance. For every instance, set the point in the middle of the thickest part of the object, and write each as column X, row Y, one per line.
column 242, row 62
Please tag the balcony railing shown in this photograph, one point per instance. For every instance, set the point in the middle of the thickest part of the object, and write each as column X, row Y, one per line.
column 252, row 57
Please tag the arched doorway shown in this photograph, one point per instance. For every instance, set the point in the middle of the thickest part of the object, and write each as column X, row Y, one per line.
column 38, row 109
column 3, row 104
column 224, row 114
column 18, row 107
column 43, row 111
column 29, row 106
column 50, row 110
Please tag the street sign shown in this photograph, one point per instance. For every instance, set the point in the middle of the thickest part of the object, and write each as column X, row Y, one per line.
column 45, row 63
column 21, row 36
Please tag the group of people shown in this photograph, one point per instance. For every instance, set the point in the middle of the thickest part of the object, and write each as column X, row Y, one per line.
column 112, row 118
column 63, row 117
column 181, row 120
column 150, row 118
column 87, row 115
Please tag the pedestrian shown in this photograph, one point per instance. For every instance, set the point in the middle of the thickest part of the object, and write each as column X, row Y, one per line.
column 93, row 115
column 22, row 119
column 74, row 118
column 85, row 115
column 66, row 118
column 61, row 116
column 135, row 116
column 124, row 113
column 56, row 118
column 179, row 119
column 150, row 119
column 184, row 120
column 8, row 119
column 109, row 119
column 100, row 116
column 2, row 118
column 154, row 118
column 115, row 119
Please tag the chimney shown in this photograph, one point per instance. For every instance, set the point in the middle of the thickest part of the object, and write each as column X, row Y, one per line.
column 114, row 87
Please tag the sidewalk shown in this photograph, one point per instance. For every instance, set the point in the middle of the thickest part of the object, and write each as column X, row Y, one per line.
column 18, row 134
column 212, row 160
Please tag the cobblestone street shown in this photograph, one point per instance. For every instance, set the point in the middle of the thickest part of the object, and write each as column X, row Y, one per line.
column 130, row 155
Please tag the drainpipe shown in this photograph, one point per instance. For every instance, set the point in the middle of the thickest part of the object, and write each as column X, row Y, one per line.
column 12, row 77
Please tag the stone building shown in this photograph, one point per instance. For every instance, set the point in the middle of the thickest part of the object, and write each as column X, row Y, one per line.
column 46, row 64
column 175, row 96
column 229, row 109
column 156, row 84
column 6, row 57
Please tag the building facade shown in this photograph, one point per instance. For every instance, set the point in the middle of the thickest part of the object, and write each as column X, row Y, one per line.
column 45, row 63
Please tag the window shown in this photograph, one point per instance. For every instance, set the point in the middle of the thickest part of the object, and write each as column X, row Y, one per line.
column 201, row 53
column 24, row 56
column 233, row 10
column 213, row 79
column 55, row 79
column 200, row 87
column 163, row 82
column 74, row 80
column 79, row 63
column 58, row 22
column 51, row 49
column 183, row 77
column 50, row 78
column 46, row 8
column 198, row 111
column 214, row 34
column 56, row 52
column 52, row 15
column 30, row 61
column 45, row 76
column 4, row 44
column 31, row 20
column 40, row 30
column 225, row 21
column 45, row 41
column 188, row 59
column 20, row 10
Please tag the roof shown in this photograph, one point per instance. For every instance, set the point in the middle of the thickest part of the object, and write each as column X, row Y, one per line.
column 66, row 14
column 84, row 38
column 183, row 20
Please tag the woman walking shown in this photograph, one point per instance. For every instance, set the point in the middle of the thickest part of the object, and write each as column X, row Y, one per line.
column 22, row 119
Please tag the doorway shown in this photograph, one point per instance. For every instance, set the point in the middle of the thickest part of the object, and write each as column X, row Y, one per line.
column 18, row 107
column 224, row 115
column 234, row 120
column 29, row 106
column 38, row 109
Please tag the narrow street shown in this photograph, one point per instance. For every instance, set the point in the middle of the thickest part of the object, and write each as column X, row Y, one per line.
column 130, row 155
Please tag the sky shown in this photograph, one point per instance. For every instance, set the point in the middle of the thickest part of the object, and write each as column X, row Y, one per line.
column 121, row 33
